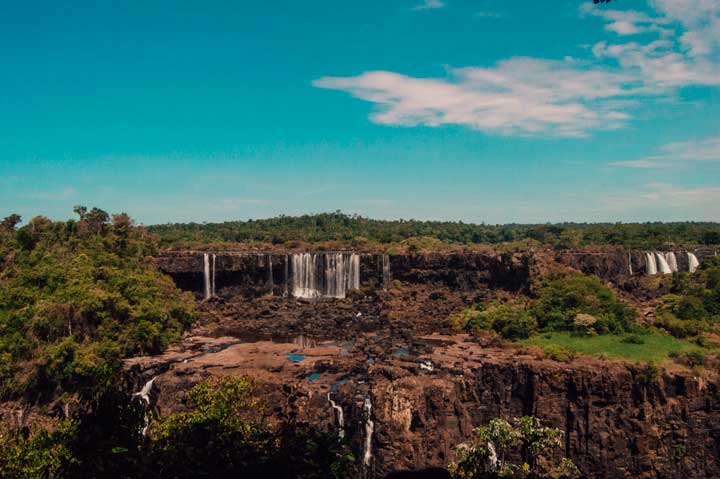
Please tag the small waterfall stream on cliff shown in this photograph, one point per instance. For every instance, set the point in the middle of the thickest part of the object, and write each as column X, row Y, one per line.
column 340, row 417
column 369, row 429
column 693, row 262
column 650, row 264
column 386, row 271
column 325, row 275
column 662, row 264
column 209, row 275
column 144, row 395
column 671, row 261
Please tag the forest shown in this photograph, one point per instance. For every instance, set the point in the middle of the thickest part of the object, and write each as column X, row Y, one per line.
column 359, row 230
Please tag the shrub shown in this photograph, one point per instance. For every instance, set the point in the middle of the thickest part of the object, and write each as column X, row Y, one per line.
column 633, row 339
column 560, row 301
column 559, row 353
column 649, row 374
column 508, row 321
column 521, row 449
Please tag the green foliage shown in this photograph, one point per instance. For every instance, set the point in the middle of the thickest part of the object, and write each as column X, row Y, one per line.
column 78, row 296
column 223, row 434
column 521, row 449
column 649, row 374
column 508, row 321
column 44, row 454
column 561, row 300
column 693, row 307
column 558, row 353
column 338, row 226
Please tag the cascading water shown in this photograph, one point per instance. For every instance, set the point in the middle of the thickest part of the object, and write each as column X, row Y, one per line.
column 326, row 275
column 369, row 429
column 270, row 281
column 144, row 395
column 693, row 262
column 662, row 264
column 209, row 275
column 286, row 279
column 340, row 417
column 386, row 271
column 630, row 264
column 671, row 261
column 650, row 264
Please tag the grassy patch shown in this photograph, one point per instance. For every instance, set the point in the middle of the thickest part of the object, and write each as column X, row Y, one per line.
column 656, row 346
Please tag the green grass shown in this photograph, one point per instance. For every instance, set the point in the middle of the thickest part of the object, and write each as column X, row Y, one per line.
column 656, row 347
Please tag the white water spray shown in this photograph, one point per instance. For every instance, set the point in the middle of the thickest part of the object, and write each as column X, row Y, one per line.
column 386, row 271
column 630, row 264
column 144, row 395
column 209, row 275
column 650, row 264
column 369, row 429
column 671, row 261
column 693, row 262
column 662, row 264
column 326, row 275
column 340, row 417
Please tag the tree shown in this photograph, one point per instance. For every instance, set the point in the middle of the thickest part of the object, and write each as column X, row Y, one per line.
column 521, row 449
column 10, row 222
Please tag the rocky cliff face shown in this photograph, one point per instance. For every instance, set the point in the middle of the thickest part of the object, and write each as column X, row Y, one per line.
column 426, row 395
column 257, row 274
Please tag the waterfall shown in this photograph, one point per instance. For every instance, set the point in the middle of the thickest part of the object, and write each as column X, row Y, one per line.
column 270, row 274
column 325, row 275
column 650, row 264
column 287, row 276
column 693, row 262
column 630, row 264
column 386, row 271
column 369, row 429
column 144, row 395
column 212, row 283
column 206, row 275
column 340, row 417
column 662, row 264
column 671, row 261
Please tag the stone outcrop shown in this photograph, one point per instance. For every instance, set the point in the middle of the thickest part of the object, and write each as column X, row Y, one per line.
column 428, row 394
column 257, row 274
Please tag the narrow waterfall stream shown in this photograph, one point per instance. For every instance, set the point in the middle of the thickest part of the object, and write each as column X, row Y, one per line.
column 693, row 262
column 340, row 417
column 209, row 274
column 369, row 430
column 662, row 265
column 144, row 395
column 650, row 264
column 672, row 261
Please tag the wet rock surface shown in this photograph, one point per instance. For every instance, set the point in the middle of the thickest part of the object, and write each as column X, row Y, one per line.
column 427, row 388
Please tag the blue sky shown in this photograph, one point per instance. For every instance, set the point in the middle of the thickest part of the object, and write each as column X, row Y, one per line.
column 481, row 110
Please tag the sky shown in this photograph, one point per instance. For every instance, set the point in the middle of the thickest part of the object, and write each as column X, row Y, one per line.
column 474, row 110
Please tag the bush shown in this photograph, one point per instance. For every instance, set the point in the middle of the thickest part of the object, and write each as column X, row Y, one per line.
column 508, row 321
column 559, row 353
column 561, row 301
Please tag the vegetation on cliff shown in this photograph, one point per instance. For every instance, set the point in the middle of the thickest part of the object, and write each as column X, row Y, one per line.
column 358, row 230
column 522, row 448
column 75, row 298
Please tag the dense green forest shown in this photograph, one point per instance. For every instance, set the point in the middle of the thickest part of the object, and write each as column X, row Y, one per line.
column 358, row 230
column 78, row 296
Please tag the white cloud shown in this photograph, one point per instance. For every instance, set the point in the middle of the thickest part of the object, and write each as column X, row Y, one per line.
column 519, row 96
column 678, row 152
column 687, row 53
column 429, row 5
column 568, row 98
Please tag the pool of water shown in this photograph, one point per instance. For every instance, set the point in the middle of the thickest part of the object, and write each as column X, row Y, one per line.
column 314, row 376
column 295, row 358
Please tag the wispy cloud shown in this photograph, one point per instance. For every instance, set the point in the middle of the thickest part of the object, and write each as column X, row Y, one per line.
column 678, row 152
column 488, row 14
column 561, row 98
column 429, row 5
column 519, row 96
